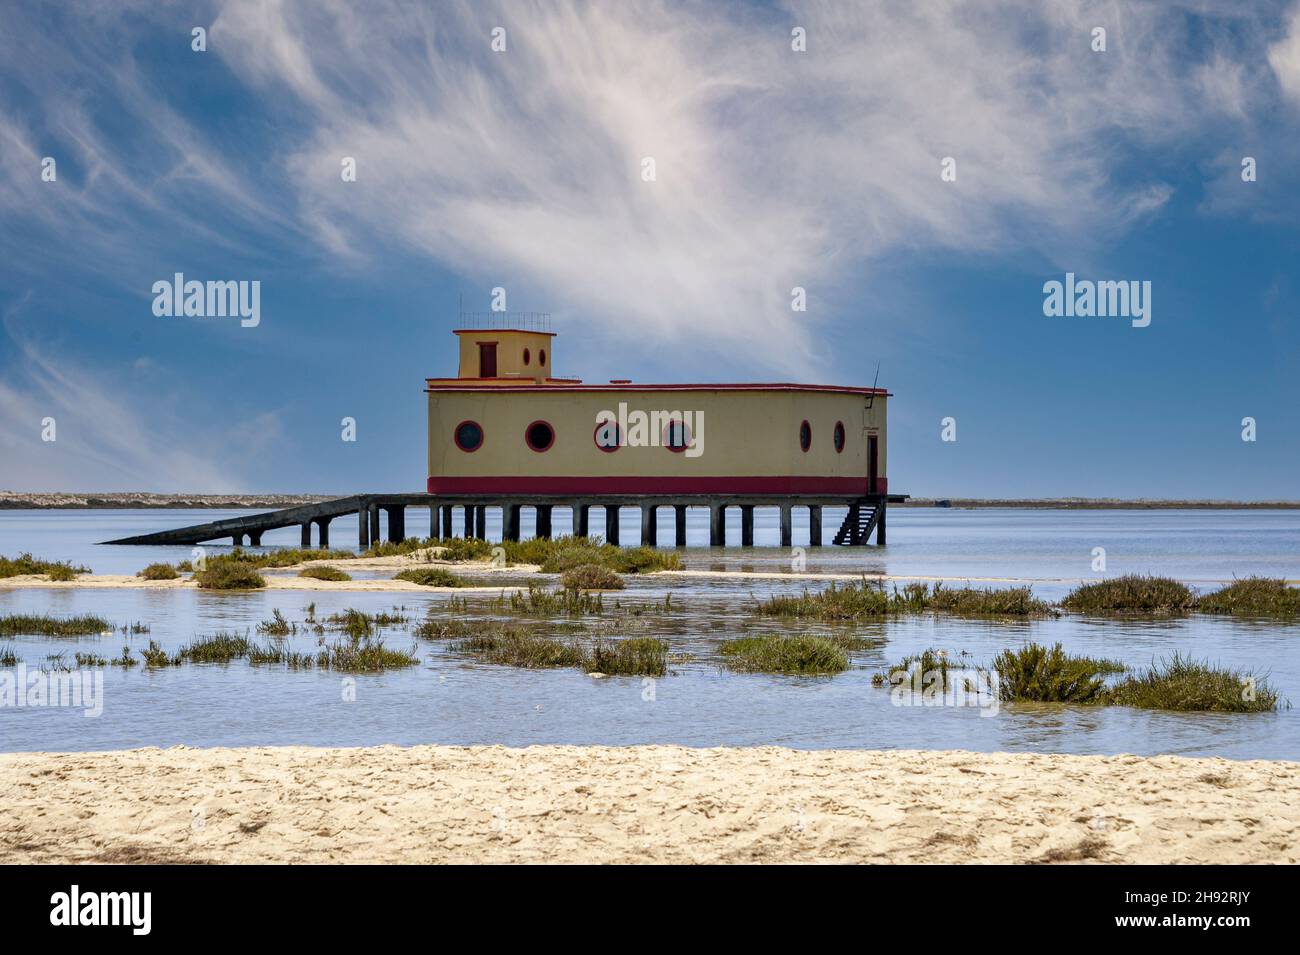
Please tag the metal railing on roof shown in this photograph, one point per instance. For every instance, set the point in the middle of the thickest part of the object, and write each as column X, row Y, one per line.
column 504, row 321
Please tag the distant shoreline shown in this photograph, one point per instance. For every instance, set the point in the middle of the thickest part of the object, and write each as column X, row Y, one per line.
column 23, row 500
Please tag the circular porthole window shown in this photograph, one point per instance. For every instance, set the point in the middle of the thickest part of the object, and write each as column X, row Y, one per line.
column 539, row 435
column 468, row 435
column 839, row 437
column 541, row 356
column 676, row 436
column 527, row 356
column 608, row 436
column 805, row 436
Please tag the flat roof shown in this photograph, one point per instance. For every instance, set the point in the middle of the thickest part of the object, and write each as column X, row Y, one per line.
column 463, row 384
column 500, row 331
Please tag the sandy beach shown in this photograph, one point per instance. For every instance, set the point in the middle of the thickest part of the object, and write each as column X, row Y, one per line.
column 642, row 804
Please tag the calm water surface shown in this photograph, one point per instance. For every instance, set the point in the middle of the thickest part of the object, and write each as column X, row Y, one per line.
column 449, row 700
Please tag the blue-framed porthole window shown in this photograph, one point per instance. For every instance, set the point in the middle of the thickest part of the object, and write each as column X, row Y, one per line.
column 468, row 435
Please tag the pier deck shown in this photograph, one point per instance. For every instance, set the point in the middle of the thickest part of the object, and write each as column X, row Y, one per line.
column 866, row 517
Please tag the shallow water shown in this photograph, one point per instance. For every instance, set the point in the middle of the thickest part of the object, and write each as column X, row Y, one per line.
column 449, row 700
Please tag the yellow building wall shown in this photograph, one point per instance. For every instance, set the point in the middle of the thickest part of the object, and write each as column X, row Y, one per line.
column 746, row 434
column 510, row 353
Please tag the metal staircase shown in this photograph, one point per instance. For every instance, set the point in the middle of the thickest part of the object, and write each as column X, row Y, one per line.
column 859, row 523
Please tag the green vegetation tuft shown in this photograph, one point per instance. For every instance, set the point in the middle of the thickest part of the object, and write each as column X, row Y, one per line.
column 159, row 572
column 221, row 647
column 1181, row 683
column 860, row 600
column 776, row 653
column 277, row 626
column 1038, row 674
column 357, row 623
column 12, row 625
column 125, row 660
column 229, row 575
column 8, row 657
column 432, row 577
column 25, row 563
column 284, row 557
column 538, row 601
column 1254, row 597
column 156, row 656
column 591, row 577
column 1132, row 593
column 324, row 572
column 89, row 660
column 635, row 656
column 511, row 646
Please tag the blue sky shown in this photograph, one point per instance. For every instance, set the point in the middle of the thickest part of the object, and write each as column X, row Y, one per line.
column 774, row 169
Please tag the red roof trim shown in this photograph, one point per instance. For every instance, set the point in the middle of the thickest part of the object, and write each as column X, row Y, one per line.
column 637, row 387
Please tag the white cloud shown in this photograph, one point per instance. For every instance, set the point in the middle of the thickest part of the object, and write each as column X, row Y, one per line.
column 1284, row 58
column 775, row 168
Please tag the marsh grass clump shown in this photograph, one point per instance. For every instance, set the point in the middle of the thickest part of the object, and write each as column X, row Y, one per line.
column 279, row 654
column 432, row 577
column 591, row 577
column 357, row 623
column 848, row 602
column 1181, row 683
column 538, row 601
column 221, row 647
column 8, row 657
column 1253, row 597
column 125, row 660
column 364, row 655
column 158, row 572
column 12, row 625
column 993, row 602
column 1040, row 674
column 778, row 653
column 25, row 564
column 89, row 660
column 520, row 648
column 921, row 669
column 1132, row 593
column 284, row 557
column 432, row 628
column 324, row 572
column 277, row 626
column 229, row 575
column 557, row 555
column 156, row 656
column 634, row 656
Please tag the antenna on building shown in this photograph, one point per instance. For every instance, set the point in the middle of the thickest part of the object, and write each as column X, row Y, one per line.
column 871, row 399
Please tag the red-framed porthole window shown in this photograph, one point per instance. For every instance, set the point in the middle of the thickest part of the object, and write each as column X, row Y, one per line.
column 839, row 437
column 805, row 436
column 539, row 436
column 468, row 435
column 528, row 356
column 541, row 356
column 608, row 436
column 676, row 436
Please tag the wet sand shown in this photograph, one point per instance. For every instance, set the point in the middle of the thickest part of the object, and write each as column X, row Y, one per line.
column 641, row 804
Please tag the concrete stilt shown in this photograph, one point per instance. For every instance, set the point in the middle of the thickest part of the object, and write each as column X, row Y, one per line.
column 679, row 515
column 396, row 524
column 363, row 529
column 447, row 529
column 649, row 526
column 434, row 513
column 880, row 525
column 237, row 540
column 747, row 525
column 510, row 522
column 323, row 532
column 611, row 523
column 815, row 525
column 480, row 522
column 375, row 538
column 580, row 515
column 305, row 540
column 544, row 521
column 787, row 534
column 469, row 521
column 717, row 525
column 255, row 539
